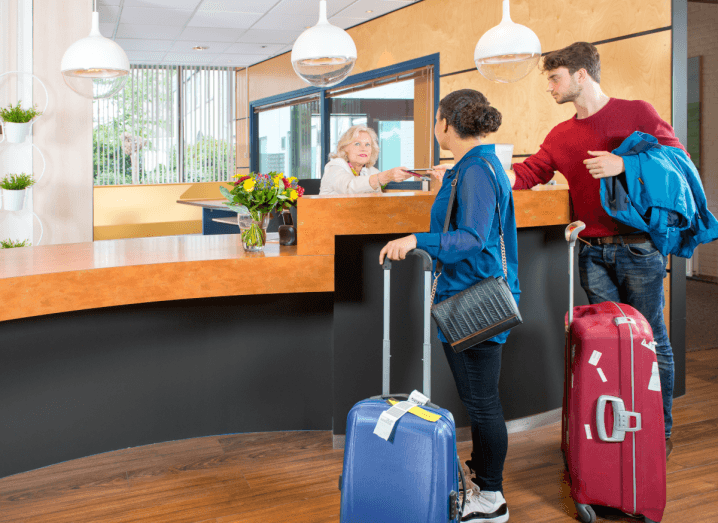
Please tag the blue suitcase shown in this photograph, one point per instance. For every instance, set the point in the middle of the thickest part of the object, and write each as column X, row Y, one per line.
column 413, row 475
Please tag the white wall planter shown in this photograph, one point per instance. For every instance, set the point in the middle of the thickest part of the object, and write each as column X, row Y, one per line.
column 16, row 132
column 13, row 200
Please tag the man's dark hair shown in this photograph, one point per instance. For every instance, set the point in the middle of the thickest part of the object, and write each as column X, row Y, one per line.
column 579, row 55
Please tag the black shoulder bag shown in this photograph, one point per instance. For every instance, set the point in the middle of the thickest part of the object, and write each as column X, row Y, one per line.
column 483, row 310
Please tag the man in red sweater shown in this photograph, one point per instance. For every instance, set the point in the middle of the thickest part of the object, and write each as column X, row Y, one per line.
column 616, row 262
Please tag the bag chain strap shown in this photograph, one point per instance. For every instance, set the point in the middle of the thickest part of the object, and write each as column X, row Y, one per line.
column 440, row 265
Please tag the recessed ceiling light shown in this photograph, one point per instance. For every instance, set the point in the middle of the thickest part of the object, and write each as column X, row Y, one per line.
column 370, row 11
column 199, row 48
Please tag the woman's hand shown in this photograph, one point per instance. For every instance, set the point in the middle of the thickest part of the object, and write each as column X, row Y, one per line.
column 397, row 174
column 397, row 249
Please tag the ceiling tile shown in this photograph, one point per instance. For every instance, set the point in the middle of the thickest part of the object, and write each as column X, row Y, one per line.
column 226, row 20
column 377, row 8
column 265, row 36
column 300, row 7
column 137, row 44
column 187, row 58
column 238, row 6
column 167, row 4
column 150, row 32
column 244, row 48
column 106, row 30
column 345, row 23
column 212, row 47
column 285, row 22
column 142, row 56
column 155, row 15
column 210, row 34
column 242, row 59
column 336, row 6
column 108, row 15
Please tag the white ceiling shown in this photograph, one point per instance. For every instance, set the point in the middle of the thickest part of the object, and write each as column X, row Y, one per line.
column 237, row 33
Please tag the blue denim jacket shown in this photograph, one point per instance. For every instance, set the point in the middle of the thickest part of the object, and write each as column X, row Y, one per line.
column 660, row 193
column 471, row 249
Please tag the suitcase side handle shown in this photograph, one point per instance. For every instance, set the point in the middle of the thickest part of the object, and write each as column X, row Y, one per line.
column 621, row 419
column 405, row 396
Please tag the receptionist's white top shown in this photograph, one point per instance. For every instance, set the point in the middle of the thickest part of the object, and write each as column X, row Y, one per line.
column 339, row 179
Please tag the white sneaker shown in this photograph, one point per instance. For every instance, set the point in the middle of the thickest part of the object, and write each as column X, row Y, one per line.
column 484, row 506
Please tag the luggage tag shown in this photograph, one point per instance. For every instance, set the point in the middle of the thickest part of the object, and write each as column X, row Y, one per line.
column 385, row 425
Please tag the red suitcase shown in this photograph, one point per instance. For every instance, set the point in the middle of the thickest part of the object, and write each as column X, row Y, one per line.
column 613, row 436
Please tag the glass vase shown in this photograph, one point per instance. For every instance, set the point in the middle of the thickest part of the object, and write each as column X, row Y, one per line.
column 253, row 230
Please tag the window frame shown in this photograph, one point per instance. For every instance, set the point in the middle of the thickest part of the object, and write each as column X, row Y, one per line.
column 396, row 69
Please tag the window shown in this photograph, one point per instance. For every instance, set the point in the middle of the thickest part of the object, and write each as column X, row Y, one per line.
column 168, row 125
column 389, row 110
column 288, row 138
column 294, row 133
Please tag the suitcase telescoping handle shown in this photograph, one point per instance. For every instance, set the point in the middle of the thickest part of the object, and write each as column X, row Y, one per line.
column 427, row 266
column 572, row 231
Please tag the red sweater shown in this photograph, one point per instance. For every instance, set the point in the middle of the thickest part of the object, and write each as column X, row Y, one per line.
column 567, row 145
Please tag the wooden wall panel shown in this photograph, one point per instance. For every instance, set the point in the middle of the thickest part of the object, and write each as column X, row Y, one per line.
column 453, row 29
column 241, row 77
column 423, row 121
column 275, row 76
column 636, row 68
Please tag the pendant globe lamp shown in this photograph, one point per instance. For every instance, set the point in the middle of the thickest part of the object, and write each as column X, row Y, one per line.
column 95, row 67
column 508, row 52
column 325, row 54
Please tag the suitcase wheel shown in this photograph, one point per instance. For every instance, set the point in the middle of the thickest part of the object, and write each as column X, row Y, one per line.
column 585, row 513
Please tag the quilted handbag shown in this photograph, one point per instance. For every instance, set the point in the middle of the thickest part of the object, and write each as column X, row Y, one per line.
column 482, row 311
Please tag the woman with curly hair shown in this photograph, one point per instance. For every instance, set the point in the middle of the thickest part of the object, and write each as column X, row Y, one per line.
column 471, row 251
column 351, row 168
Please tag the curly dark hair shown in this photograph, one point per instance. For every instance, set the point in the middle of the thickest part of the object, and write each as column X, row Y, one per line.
column 579, row 55
column 470, row 113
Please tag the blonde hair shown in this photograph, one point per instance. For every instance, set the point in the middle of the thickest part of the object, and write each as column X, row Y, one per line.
column 350, row 135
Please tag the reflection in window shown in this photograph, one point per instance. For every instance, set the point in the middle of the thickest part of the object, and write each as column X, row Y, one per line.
column 290, row 140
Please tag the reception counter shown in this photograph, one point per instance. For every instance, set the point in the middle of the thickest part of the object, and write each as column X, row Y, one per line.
column 120, row 343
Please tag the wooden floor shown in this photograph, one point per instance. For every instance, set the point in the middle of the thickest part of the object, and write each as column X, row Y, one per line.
column 293, row 476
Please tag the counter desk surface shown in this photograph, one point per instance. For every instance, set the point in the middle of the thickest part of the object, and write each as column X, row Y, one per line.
column 60, row 278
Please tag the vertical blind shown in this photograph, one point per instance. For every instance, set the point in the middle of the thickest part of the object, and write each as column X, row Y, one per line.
column 170, row 124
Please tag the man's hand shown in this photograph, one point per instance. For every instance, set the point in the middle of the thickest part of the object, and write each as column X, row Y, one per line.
column 440, row 170
column 604, row 164
column 397, row 249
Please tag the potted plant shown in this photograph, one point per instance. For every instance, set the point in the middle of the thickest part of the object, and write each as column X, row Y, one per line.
column 10, row 244
column 253, row 197
column 13, row 190
column 17, row 121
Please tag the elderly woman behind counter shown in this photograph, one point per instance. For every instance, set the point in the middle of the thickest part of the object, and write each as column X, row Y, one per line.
column 351, row 168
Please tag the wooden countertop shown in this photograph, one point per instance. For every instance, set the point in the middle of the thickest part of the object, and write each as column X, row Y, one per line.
column 320, row 218
column 58, row 278
column 50, row 279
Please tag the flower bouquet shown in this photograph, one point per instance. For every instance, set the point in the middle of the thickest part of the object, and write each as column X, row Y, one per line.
column 253, row 197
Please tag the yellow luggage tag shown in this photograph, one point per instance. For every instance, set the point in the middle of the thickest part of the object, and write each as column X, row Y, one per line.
column 418, row 411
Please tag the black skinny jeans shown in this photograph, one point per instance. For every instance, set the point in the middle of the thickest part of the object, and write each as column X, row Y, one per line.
column 476, row 373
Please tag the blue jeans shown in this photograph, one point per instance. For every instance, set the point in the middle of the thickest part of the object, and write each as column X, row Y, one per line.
column 476, row 373
column 633, row 274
